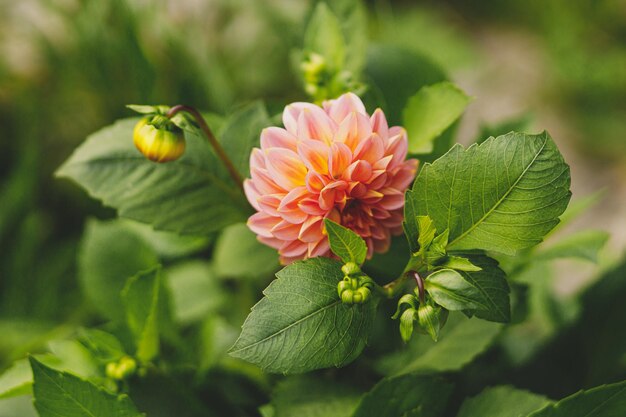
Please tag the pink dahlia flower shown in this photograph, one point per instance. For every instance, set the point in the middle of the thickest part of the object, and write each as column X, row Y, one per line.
column 333, row 161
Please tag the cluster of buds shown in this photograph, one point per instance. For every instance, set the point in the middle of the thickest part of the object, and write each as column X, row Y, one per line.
column 124, row 368
column 322, row 82
column 355, row 288
column 415, row 307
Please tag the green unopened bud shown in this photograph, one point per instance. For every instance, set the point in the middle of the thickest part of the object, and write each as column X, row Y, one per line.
column 351, row 269
column 354, row 290
column 158, row 139
column 121, row 369
column 313, row 67
column 408, row 301
column 406, row 324
column 347, row 296
column 428, row 319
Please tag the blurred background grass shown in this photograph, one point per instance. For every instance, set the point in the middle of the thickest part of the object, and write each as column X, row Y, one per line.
column 68, row 67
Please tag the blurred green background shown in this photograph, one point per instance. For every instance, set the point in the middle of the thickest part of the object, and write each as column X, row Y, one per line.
column 68, row 68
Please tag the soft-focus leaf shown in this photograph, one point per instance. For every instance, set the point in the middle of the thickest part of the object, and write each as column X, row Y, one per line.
column 395, row 74
column 405, row 395
column 242, row 132
column 237, row 242
column 460, row 341
column 109, row 255
column 502, row 401
column 301, row 324
column 17, row 380
column 503, row 195
column 602, row 401
column 429, row 112
column 189, row 195
column 323, row 36
column 147, row 308
column 582, row 245
column 313, row 397
column 62, row 394
column 195, row 290
column 103, row 346
column 346, row 244
column 167, row 245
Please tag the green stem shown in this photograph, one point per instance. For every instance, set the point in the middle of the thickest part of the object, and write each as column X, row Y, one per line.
column 219, row 150
column 393, row 288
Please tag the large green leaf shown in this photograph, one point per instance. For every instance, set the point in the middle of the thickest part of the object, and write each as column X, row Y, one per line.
column 460, row 341
column 346, row 244
column 429, row 112
column 405, row 395
column 581, row 245
column 603, row 401
column 147, row 311
column 236, row 243
column 190, row 195
column 59, row 394
column 502, row 195
column 301, row 324
column 502, row 401
column 109, row 254
column 313, row 397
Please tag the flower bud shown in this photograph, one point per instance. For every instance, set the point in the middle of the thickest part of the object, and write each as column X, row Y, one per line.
column 121, row 369
column 158, row 139
column 350, row 269
column 347, row 296
column 429, row 319
column 354, row 290
column 406, row 324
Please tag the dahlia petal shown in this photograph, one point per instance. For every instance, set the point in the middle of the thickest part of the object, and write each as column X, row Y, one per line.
column 312, row 230
column 383, row 162
column 354, row 129
column 252, row 194
column 378, row 180
column 269, row 203
column 392, row 200
column 315, row 155
column 262, row 223
column 315, row 182
column 339, row 159
column 286, row 168
column 398, row 147
column 313, row 123
column 311, row 206
column 289, row 208
column 319, row 248
column 357, row 190
column 371, row 149
column 264, row 182
column 379, row 123
column 276, row 137
column 286, row 231
column 292, row 113
column 405, row 175
column 358, row 171
column 270, row 241
column 341, row 107
column 382, row 245
column 293, row 248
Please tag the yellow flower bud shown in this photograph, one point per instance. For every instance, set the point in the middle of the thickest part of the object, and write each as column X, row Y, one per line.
column 158, row 139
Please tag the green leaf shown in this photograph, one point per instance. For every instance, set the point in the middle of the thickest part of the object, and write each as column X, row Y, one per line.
column 323, row 36
column 426, row 231
column 582, row 245
column 110, row 254
column 237, row 242
column 61, row 394
column 167, row 245
column 431, row 111
column 405, row 395
column 104, row 346
column 195, row 289
column 16, row 381
column 313, row 397
column 491, row 281
column 460, row 264
column 602, row 401
column 503, row 195
column 450, row 290
column 395, row 74
column 502, row 401
column 460, row 341
column 484, row 292
column 190, row 195
column 147, row 309
column 242, row 132
column 301, row 324
column 346, row 244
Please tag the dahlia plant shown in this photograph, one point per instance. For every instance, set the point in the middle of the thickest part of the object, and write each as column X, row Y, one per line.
column 350, row 205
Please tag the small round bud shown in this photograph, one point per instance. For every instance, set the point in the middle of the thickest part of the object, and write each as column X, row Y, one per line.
column 347, row 297
column 158, row 139
column 126, row 367
column 350, row 269
column 343, row 286
column 365, row 293
column 111, row 370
